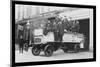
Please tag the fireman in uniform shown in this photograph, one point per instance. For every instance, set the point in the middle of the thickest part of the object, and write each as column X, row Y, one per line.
column 46, row 28
column 58, row 29
column 21, row 40
column 61, row 27
column 55, row 30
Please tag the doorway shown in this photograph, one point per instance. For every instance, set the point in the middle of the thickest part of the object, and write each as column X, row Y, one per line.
column 84, row 29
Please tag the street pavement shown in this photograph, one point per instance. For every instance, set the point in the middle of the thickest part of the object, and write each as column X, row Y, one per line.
column 58, row 55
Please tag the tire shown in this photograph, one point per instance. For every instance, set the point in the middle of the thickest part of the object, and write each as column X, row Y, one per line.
column 76, row 48
column 36, row 51
column 48, row 51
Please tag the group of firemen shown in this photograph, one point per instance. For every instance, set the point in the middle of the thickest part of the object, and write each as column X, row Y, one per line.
column 59, row 25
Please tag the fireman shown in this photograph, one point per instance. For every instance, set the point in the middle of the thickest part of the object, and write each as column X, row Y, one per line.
column 60, row 30
column 21, row 41
column 46, row 28
column 55, row 30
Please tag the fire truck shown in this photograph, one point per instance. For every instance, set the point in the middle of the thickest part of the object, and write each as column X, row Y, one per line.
column 46, row 43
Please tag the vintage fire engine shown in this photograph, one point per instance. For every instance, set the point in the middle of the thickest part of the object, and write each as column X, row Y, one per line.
column 46, row 43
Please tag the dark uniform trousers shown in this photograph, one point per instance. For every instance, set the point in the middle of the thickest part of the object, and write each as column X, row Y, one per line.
column 21, row 41
column 60, row 31
column 56, row 36
column 21, row 44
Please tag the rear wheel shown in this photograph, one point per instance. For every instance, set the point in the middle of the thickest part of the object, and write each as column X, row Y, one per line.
column 35, row 51
column 48, row 51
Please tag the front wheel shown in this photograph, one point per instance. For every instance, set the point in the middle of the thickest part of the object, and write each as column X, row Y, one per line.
column 48, row 51
column 35, row 51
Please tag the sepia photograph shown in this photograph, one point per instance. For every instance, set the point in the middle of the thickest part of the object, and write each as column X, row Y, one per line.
column 47, row 33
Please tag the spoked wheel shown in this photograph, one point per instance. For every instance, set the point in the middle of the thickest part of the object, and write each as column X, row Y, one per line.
column 48, row 51
column 76, row 48
column 35, row 51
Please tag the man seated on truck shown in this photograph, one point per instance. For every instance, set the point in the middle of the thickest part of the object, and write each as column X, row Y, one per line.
column 47, row 28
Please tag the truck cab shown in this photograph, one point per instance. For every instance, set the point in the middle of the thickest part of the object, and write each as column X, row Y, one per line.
column 40, row 38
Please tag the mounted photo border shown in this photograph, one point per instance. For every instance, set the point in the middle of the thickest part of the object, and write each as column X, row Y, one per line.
column 55, row 61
